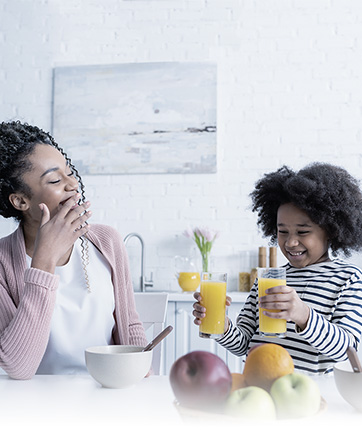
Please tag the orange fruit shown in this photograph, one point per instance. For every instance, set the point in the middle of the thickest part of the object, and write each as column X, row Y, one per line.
column 237, row 381
column 265, row 363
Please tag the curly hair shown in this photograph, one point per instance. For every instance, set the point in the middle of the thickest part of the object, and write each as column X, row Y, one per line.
column 328, row 194
column 17, row 142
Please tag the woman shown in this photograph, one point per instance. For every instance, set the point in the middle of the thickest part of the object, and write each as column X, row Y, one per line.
column 53, row 302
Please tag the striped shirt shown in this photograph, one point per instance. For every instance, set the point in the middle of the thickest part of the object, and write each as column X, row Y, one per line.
column 333, row 291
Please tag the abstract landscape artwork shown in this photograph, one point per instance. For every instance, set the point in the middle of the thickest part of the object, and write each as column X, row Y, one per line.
column 137, row 118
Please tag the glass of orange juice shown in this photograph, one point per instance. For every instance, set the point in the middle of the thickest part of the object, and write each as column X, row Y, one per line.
column 213, row 293
column 187, row 275
column 267, row 278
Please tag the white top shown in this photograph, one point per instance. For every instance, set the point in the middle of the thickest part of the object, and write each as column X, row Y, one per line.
column 80, row 319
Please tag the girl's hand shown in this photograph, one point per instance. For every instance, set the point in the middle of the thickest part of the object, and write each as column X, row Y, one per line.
column 199, row 311
column 58, row 234
column 286, row 300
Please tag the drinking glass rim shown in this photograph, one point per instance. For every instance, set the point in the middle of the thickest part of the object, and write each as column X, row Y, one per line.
column 214, row 275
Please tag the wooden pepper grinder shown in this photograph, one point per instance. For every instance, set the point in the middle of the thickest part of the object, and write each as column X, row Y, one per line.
column 273, row 257
column 262, row 256
column 261, row 263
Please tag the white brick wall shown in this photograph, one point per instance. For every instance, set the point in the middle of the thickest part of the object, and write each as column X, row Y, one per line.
column 289, row 92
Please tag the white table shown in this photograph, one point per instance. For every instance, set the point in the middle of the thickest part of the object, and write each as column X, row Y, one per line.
column 54, row 402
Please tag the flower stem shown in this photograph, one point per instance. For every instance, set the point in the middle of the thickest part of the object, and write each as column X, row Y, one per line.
column 205, row 262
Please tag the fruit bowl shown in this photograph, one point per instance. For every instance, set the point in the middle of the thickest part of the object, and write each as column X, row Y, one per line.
column 194, row 415
column 118, row 366
column 205, row 389
column 349, row 384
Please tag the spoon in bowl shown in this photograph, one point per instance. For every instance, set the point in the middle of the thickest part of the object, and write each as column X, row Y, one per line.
column 354, row 360
column 158, row 338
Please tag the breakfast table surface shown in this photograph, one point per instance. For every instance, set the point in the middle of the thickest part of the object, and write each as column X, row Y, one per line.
column 77, row 402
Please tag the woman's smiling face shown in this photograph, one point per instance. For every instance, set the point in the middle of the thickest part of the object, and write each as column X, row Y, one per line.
column 302, row 241
column 50, row 181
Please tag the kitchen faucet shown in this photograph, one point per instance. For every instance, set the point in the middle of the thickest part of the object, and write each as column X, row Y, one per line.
column 143, row 282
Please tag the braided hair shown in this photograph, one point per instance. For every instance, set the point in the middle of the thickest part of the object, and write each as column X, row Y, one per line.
column 328, row 194
column 17, row 142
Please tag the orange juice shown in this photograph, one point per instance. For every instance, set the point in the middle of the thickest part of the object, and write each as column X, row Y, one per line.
column 189, row 281
column 214, row 300
column 270, row 326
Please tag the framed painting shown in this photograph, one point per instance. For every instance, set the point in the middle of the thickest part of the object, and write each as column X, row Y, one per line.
column 137, row 118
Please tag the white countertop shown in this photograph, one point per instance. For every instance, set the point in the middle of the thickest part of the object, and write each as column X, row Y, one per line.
column 54, row 402
column 236, row 296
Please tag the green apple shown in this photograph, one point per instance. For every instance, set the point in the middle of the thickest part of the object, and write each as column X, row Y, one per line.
column 251, row 402
column 295, row 395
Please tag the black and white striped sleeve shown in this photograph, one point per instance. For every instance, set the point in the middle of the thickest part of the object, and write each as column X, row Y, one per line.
column 237, row 337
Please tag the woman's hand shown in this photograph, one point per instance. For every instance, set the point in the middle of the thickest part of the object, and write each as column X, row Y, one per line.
column 286, row 300
column 199, row 311
column 57, row 235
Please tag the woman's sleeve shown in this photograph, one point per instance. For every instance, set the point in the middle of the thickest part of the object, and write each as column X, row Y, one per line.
column 332, row 338
column 137, row 334
column 237, row 337
column 24, row 328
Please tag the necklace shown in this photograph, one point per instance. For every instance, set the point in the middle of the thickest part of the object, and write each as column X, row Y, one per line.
column 85, row 260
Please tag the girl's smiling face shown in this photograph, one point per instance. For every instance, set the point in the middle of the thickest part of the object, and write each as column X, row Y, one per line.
column 50, row 181
column 302, row 241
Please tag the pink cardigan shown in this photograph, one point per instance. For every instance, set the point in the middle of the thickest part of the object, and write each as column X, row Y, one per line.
column 27, row 299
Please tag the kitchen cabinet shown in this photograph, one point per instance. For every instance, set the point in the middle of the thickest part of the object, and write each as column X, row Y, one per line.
column 185, row 336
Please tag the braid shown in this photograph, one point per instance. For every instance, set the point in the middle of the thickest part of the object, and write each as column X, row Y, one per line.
column 17, row 142
column 83, row 239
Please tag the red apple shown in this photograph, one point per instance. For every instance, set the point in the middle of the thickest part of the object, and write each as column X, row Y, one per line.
column 200, row 379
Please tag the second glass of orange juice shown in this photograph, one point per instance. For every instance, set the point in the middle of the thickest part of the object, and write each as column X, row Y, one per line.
column 187, row 275
column 268, row 278
column 213, row 293
column 189, row 281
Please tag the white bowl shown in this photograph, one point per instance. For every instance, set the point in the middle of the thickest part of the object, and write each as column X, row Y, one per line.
column 349, row 384
column 118, row 366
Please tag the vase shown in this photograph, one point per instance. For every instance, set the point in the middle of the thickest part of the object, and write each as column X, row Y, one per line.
column 205, row 261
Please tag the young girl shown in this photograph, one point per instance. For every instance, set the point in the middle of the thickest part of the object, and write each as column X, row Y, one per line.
column 53, row 303
column 308, row 213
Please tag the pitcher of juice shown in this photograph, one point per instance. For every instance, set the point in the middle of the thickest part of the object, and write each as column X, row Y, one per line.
column 187, row 275
column 268, row 278
column 213, row 293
